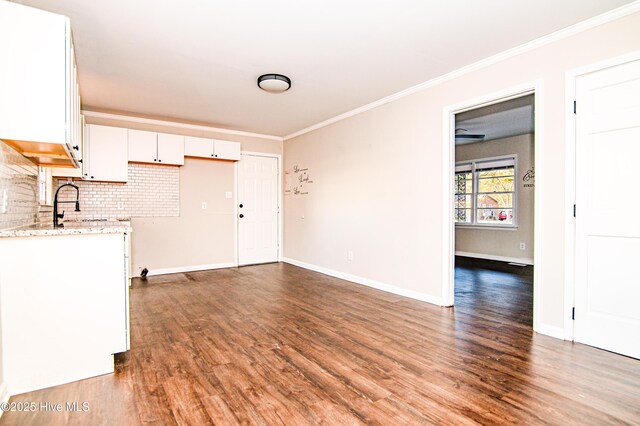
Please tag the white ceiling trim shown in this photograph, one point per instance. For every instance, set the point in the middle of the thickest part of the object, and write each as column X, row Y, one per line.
column 177, row 125
column 585, row 25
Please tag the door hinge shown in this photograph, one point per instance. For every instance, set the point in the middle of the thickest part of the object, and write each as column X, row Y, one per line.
column 573, row 313
column 575, row 106
column 574, row 210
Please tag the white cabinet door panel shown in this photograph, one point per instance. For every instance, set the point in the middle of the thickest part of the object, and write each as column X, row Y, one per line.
column 143, row 146
column 107, row 153
column 33, row 75
column 225, row 150
column 170, row 149
column 198, row 147
column 75, row 316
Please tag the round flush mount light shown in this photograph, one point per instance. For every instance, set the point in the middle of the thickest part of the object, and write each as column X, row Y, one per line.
column 274, row 83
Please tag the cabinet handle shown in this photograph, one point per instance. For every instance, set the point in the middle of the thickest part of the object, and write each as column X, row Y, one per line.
column 241, row 215
column 159, row 161
column 216, row 155
column 91, row 177
column 77, row 148
column 155, row 159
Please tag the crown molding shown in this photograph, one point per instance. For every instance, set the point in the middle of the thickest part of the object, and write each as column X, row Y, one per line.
column 177, row 125
column 582, row 26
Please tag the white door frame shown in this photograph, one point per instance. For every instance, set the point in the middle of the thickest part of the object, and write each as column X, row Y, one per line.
column 570, row 180
column 448, row 168
column 235, row 209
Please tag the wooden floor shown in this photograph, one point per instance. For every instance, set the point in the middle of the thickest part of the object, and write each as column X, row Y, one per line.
column 276, row 344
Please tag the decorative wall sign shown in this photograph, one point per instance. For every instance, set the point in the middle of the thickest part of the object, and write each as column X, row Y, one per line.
column 529, row 178
column 296, row 181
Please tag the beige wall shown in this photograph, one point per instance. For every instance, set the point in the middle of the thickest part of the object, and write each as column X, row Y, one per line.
column 378, row 175
column 502, row 242
column 197, row 237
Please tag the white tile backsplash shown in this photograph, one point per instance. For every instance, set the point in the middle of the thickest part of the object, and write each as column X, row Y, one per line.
column 19, row 181
column 151, row 191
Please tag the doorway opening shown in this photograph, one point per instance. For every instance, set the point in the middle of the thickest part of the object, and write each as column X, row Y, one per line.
column 493, row 203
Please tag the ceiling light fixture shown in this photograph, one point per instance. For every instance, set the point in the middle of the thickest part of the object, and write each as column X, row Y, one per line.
column 274, row 83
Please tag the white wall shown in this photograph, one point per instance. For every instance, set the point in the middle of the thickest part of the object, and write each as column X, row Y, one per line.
column 503, row 243
column 378, row 175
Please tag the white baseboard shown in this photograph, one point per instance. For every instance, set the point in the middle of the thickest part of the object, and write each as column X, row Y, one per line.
column 193, row 268
column 367, row 282
column 550, row 330
column 492, row 257
column 4, row 395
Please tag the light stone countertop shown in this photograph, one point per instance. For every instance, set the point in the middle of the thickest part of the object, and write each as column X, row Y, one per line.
column 69, row 228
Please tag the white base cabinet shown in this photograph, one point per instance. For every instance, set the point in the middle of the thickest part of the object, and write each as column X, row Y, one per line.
column 64, row 308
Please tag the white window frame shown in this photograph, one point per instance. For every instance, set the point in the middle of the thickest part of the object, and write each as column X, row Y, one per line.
column 474, row 193
column 45, row 186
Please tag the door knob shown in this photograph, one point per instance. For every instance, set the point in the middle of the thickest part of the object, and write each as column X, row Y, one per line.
column 241, row 215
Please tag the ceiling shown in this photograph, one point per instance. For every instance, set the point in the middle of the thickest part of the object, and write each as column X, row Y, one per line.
column 197, row 61
column 501, row 120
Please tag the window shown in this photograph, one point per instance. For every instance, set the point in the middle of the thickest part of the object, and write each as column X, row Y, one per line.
column 45, row 186
column 485, row 192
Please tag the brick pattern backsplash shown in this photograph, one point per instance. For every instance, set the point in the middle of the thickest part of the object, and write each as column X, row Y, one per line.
column 19, row 181
column 151, row 191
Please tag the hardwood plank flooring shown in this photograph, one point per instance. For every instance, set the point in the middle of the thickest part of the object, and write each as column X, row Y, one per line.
column 277, row 344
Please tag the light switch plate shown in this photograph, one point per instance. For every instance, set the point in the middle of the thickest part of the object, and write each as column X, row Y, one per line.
column 228, row 194
column 204, row 205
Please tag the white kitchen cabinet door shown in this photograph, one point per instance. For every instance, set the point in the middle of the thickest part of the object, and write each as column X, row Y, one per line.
column 107, row 153
column 225, row 150
column 143, row 146
column 83, row 306
column 198, row 147
column 170, row 149
column 38, row 107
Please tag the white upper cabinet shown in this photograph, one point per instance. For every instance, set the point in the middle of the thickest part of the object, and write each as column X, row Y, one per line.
column 158, row 148
column 143, row 146
column 224, row 150
column 39, row 101
column 170, row 149
column 198, row 147
column 211, row 148
column 75, row 172
column 105, row 154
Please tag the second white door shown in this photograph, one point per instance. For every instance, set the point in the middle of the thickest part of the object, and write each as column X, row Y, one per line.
column 257, row 210
column 607, row 300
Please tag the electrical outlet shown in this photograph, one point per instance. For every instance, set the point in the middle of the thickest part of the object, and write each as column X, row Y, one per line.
column 523, row 246
column 204, row 205
column 120, row 205
column 350, row 255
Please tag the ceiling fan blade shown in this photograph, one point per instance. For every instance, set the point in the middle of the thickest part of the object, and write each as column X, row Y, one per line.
column 470, row 136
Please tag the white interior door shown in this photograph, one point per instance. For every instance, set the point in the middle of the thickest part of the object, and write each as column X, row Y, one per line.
column 257, row 210
column 607, row 299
